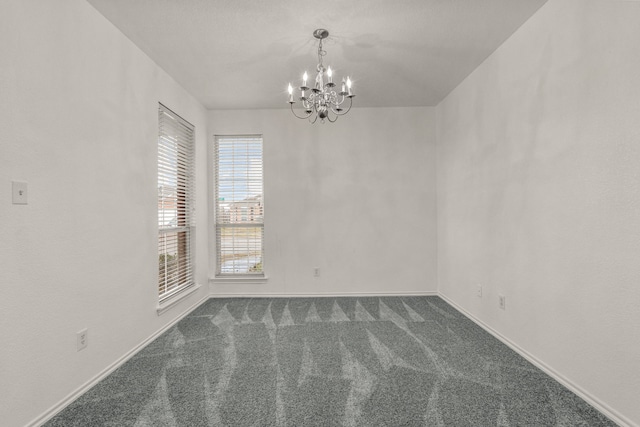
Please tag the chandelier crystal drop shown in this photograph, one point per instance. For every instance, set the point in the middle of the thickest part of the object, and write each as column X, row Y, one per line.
column 321, row 100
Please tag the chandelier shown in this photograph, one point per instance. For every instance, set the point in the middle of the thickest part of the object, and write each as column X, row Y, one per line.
column 321, row 100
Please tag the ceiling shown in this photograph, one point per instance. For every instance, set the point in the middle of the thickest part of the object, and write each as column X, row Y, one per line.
column 241, row 54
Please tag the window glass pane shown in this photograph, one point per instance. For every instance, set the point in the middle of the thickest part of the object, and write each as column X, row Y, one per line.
column 173, row 261
column 240, row 250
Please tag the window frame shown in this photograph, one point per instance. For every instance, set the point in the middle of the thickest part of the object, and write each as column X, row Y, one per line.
column 176, row 161
column 233, row 214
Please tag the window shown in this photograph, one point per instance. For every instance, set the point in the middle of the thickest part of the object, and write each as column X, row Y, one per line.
column 239, row 205
column 175, row 203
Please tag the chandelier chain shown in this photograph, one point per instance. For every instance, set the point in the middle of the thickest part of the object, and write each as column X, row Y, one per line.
column 321, row 53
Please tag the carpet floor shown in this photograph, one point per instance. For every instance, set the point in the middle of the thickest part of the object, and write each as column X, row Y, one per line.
column 395, row 361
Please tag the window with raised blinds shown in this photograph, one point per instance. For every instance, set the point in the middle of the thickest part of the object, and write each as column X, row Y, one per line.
column 175, row 203
column 239, row 205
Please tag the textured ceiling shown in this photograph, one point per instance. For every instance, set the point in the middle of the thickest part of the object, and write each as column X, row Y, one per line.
column 236, row 54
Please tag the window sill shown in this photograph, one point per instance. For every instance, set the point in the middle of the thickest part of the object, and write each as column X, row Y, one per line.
column 241, row 280
column 173, row 300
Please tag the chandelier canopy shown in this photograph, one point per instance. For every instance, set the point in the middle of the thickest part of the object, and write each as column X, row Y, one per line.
column 321, row 100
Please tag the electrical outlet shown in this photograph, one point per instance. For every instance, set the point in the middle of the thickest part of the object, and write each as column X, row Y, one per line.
column 316, row 272
column 479, row 291
column 82, row 339
column 502, row 301
column 19, row 191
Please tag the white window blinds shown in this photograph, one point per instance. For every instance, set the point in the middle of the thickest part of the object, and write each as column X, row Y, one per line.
column 175, row 203
column 239, row 205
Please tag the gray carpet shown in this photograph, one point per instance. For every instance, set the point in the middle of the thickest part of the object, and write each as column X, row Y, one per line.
column 396, row 361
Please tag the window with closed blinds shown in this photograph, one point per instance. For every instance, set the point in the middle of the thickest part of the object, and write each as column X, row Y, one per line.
column 239, row 205
column 175, row 203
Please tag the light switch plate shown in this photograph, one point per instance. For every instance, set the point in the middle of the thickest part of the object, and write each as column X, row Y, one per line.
column 19, row 190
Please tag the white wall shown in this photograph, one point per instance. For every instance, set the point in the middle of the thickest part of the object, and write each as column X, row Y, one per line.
column 539, row 195
column 355, row 198
column 79, row 123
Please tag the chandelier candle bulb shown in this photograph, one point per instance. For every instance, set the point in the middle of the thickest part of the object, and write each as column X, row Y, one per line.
column 349, row 87
column 304, row 80
column 290, row 90
column 329, row 74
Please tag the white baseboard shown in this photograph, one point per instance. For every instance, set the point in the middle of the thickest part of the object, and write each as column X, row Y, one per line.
column 54, row 410
column 584, row 395
column 321, row 295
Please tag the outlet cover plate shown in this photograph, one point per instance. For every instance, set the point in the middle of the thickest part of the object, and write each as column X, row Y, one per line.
column 19, row 192
column 82, row 339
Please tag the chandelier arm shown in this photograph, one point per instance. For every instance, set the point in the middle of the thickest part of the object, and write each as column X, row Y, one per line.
column 333, row 98
column 341, row 100
column 347, row 110
column 342, row 113
column 310, row 101
column 294, row 113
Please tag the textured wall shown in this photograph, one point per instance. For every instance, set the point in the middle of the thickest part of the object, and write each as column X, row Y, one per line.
column 355, row 198
column 79, row 124
column 539, row 194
